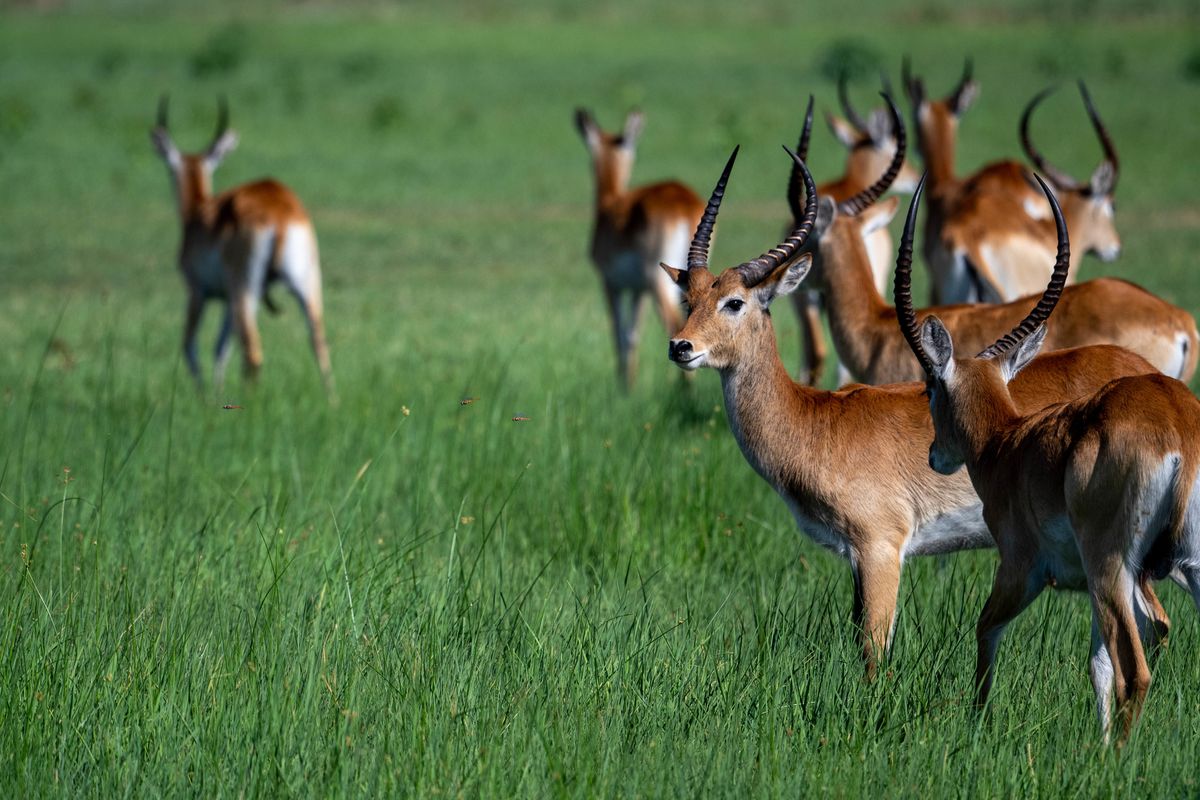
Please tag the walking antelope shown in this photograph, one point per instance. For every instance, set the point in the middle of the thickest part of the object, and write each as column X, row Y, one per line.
column 850, row 464
column 633, row 231
column 237, row 243
column 989, row 237
column 1098, row 493
column 871, row 144
column 871, row 348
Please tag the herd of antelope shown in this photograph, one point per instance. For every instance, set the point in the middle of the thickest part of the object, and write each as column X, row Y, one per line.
column 1081, row 463
column 1080, row 440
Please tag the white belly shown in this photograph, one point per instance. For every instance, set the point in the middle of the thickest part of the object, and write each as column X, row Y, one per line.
column 958, row 529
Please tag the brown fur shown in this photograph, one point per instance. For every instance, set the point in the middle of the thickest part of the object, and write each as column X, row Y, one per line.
column 1100, row 311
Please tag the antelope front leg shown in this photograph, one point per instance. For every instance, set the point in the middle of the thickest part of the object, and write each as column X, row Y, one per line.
column 191, row 323
column 1013, row 589
column 876, row 587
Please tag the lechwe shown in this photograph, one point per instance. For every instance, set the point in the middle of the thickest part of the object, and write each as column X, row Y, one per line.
column 235, row 245
column 634, row 230
column 850, row 464
column 871, row 144
column 989, row 237
column 871, row 348
column 1097, row 493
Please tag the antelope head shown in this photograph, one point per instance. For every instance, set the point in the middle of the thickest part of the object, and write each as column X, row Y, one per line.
column 192, row 173
column 968, row 395
column 1089, row 203
column 871, row 141
column 729, row 313
column 937, row 120
column 847, row 224
column 612, row 153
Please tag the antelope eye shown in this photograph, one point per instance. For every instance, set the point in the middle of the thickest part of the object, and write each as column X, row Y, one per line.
column 734, row 305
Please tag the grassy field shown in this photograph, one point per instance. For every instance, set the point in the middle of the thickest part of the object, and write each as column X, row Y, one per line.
column 406, row 594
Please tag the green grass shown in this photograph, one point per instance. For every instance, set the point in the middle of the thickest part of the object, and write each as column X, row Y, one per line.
column 406, row 594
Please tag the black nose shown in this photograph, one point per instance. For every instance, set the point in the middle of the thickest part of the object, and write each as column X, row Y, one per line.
column 678, row 349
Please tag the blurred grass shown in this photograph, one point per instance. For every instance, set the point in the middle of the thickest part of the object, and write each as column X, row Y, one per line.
column 412, row 595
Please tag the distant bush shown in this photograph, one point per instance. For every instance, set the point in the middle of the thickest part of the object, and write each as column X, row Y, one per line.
column 386, row 112
column 222, row 53
column 851, row 57
column 16, row 117
column 1191, row 66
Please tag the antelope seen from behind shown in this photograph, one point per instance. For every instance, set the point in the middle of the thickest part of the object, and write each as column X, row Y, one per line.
column 1098, row 493
column 990, row 236
column 634, row 230
column 235, row 244
column 871, row 144
column 873, row 350
column 850, row 464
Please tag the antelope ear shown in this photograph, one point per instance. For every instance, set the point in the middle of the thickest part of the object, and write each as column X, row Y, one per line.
column 879, row 127
column 1103, row 180
column 635, row 120
column 842, row 130
column 221, row 148
column 826, row 213
column 878, row 215
column 1019, row 357
column 784, row 280
column 936, row 342
column 165, row 147
column 587, row 127
column 966, row 98
column 678, row 276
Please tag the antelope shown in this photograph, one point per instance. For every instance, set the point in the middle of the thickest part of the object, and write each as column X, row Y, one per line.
column 235, row 245
column 1097, row 493
column 634, row 229
column 870, row 143
column 870, row 345
column 849, row 464
column 989, row 237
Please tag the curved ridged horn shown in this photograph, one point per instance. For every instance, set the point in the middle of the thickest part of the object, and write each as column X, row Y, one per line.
column 854, row 205
column 911, row 85
column 1058, row 279
column 1058, row 177
column 753, row 272
column 1110, row 151
column 847, row 107
column 796, row 179
column 886, row 83
column 162, row 112
column 222, row 118
column 968, row 71
column 698, row 251
column 902, row 288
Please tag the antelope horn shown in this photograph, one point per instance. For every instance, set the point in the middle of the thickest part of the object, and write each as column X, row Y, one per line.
column 796, row 179
column 698, row 252
column 847, row 108
column 854, row 205
column 886, row 83
column 902, row 289
column 1110, row 151
column 753, row 272
column 1057, row 176
column 1049, row 299
column 162, row 112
